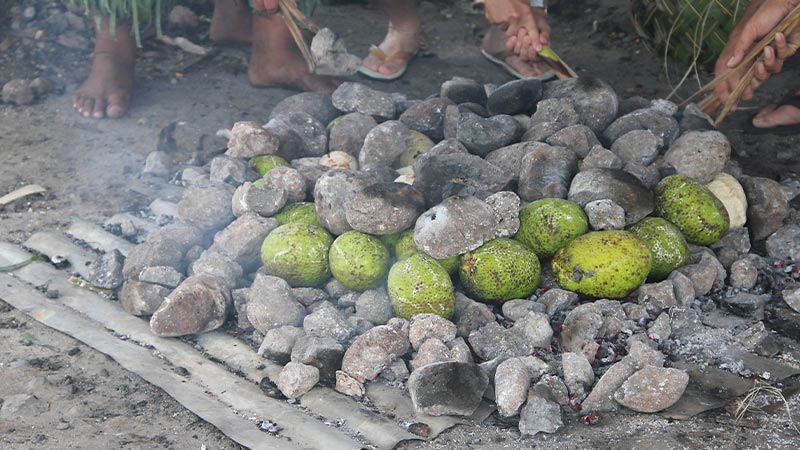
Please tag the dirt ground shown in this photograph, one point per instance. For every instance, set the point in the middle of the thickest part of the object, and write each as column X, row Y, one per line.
column 73, row 397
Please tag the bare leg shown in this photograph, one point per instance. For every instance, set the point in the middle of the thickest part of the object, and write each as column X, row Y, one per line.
column 403, row 36
column 495, row 42
column 276, row 60
column 231, row 22
column 777, row 115
column 107, row 91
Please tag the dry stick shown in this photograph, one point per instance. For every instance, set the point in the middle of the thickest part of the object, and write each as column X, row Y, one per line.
column 710, row 103
column 289, row 12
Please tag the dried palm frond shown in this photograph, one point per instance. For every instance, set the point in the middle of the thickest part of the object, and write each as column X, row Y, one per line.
column 711, row 103
column 747, row 404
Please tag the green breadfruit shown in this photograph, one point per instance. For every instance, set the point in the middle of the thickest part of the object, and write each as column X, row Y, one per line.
column 500, row 270
column 549, row 224
column 298, row 253
column 666, row 243
column 359, row 261
column 420, row 285
column 692, row 208
column 301, row 212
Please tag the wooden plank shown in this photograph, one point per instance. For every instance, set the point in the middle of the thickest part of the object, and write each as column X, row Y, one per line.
column 98, row 238
column 55, row 244
column 216, row 381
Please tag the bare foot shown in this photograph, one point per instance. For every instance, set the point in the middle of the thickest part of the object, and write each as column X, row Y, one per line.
column 495, row 43
column 276, row 61
column 402, row 39
column 107, row 91
column 231, row 22
column 777, row 115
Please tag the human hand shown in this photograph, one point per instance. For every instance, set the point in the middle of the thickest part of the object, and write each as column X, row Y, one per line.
column 527, row 28
column 266, row 6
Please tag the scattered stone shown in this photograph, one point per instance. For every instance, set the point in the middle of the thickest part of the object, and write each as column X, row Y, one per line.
column 616, row 185
column 106, row 270
column 279, row 342
column 251, row 198
column 241, row 240
column 18, row 92
column 159, row 164
column 594, row 100
column 463, row 90
column 161, row 253
column 208, row 206
column 557, row 300
column 483, row 135
column 600, row 158
column 161, row 275
column 792, row 297
column 447, row 388
column 432, row 350
column 374, row 305
column 552, row 388
column 665, row 127
column 578, row 138
column 328, row 322
column 660, row 330
column 652, row 389
column 683, row 287
column 702, row 276
column 216, row 264
column 349, row 131
column 578, row 373
column 396, row 371
column 330, row 55
column 638, row 146
column 602, row 396
column 225, row 169
column 426, row 326
column 515, row 310
column 746, row 304
column 767, row 207
column 249, row 139
column 318, row 104
column 324, row 353
column 470, row 315
column 438, row 177
column 657, row 297
column 374, row 350
column 296, row 379
column 509, row 158
column 427, row 117
column 699, row 154
column 744, row 272
column 271, row 304
column 515, row 97
column 506, row 205
column 546, row 172
column 142, row 299
column 604, row 214
column 356, row 97
column 534, row 329
column 539, row 415
column 334, row 189
column 785, row 243
column 349, row 386
column 511, row 381
column 468, row 217
column 384, row 208
column 200, row 304
column 580, row 329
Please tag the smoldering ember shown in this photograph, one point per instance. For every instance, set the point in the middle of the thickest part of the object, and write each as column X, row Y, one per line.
column 363, row 269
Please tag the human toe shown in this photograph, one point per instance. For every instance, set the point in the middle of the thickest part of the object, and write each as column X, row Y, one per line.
column 117, row 105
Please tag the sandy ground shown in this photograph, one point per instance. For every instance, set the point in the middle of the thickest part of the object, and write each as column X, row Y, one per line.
column 81, row 399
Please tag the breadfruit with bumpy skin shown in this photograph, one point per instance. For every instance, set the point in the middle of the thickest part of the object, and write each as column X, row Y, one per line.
column 405, row 247
column 692, row 208
column 298, row 253
column 500, row 270
column 549, row 224
column 300, row 212
column 666, row 243
column 419, row 285
column 603, row 264
column 265, row 163
column 359, row 261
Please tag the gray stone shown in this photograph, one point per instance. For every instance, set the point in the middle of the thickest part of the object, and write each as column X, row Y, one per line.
column 665, row 127
column 683, row 286
column 447, row 388
column 159, row 164
column 509, row 158
column 699, row 154
column 511, row 382
column 426, row 326
column 702, row 276
column 460, row 351
column 552, row 388
column 279, row 342
column 604, row 214
column 657, row 297
column 349, row 386
column 516, row 309
column 580, row 329
column 374, row 305
column 334, row 189
column 348, row 133
column 660, row 330
column 578, row 373
column 427, row 117
column 578, row 138
column 792, row 297
column 600, row 158
column 214, row 263
column 551, row 116
column 396, row 371
column 648, row 175
column 324, row 353
column 359, row 324
column 468, row 218
column 194, row 175
column 271, row 304
column 483, row 135
column 207, row 206
column 142, row 299
column 106, row 270
column 248, row 139
column 161, row 275
column 318, row 104
column 296, row 379
column 250, row 198
column 149, row 254
column 356, row 97
column 594, row 100
column 602, row 396
column 470, row 315
column 539, row 415
column 785, row 243
column 330, row 55
column 288, row 179
column 767, row 207
column 311, row 132
column 641, row 355
column 463, row 90
column 374, row 350
column 664, row 106
column 241, row 240
column 200, row 304
column 744, row 272
column 746, row 304
column 42, row 86
column 493, row 341
column 18, row 92
column 384, row 144
column 693, row 118
column 328, row 322
column 638, row 146
column 506, row 205
column 546, row 172
column 226, row 169
column 440, row 176
column 652, row 389
column 311, row 173
column 556, row 300
column 619, row 186
column 384, row 208
column 430, row 351
column 534, row 329
column 733, row 246
column 515, row 97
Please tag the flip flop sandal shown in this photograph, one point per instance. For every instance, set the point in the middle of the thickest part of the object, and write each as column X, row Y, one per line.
column 499, row 58
column 379, row 54
column 781, row 130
